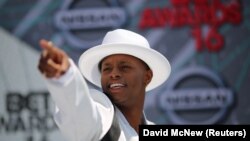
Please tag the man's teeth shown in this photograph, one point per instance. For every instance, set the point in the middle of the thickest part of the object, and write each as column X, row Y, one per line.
column 116, row 85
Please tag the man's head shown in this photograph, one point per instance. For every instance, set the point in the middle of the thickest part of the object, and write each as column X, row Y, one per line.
column 126, row 42
column 124, row 78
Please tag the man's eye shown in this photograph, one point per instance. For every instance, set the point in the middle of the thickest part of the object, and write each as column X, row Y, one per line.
column 106, row 69
column 126, row 67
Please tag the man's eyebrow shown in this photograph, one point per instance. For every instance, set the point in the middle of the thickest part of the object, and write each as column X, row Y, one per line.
column 124, row 62
column 121, row 63
column 106, row 64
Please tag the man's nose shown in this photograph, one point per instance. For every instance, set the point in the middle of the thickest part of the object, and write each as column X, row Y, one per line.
column 115, row 73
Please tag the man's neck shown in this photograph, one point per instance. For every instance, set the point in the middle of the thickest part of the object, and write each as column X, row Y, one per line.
column 133, row 115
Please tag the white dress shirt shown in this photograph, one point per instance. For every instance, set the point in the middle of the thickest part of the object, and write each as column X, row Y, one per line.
column 84, row 114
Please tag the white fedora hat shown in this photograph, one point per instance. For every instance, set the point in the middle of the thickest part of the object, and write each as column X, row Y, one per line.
column 121, row 41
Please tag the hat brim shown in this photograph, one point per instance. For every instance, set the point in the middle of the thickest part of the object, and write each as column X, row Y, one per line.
column 89, row 60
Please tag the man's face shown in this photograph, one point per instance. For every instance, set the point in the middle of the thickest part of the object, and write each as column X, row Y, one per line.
column 124, row 79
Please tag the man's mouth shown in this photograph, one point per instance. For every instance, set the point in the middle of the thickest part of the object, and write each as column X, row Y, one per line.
column 116, row 86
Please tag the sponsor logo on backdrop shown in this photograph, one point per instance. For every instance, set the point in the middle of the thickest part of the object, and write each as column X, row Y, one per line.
column 84, row 27
column 196, row 96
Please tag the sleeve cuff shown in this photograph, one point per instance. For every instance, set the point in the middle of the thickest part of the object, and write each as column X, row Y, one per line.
column 66, row 77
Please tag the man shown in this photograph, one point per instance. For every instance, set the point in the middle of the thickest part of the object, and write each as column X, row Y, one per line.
column 123, row 66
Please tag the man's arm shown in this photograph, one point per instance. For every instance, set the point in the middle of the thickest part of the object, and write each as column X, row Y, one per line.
column 78, row 116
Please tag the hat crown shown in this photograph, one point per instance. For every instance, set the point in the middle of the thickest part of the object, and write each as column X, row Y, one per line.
column 124, row 36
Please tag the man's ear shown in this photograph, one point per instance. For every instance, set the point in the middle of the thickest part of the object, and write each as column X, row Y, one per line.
column 148, row 76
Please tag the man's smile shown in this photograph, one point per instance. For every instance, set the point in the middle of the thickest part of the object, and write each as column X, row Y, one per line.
column 116, row 87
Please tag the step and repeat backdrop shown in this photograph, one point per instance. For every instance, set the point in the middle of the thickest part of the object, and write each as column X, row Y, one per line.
column 206, row 41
